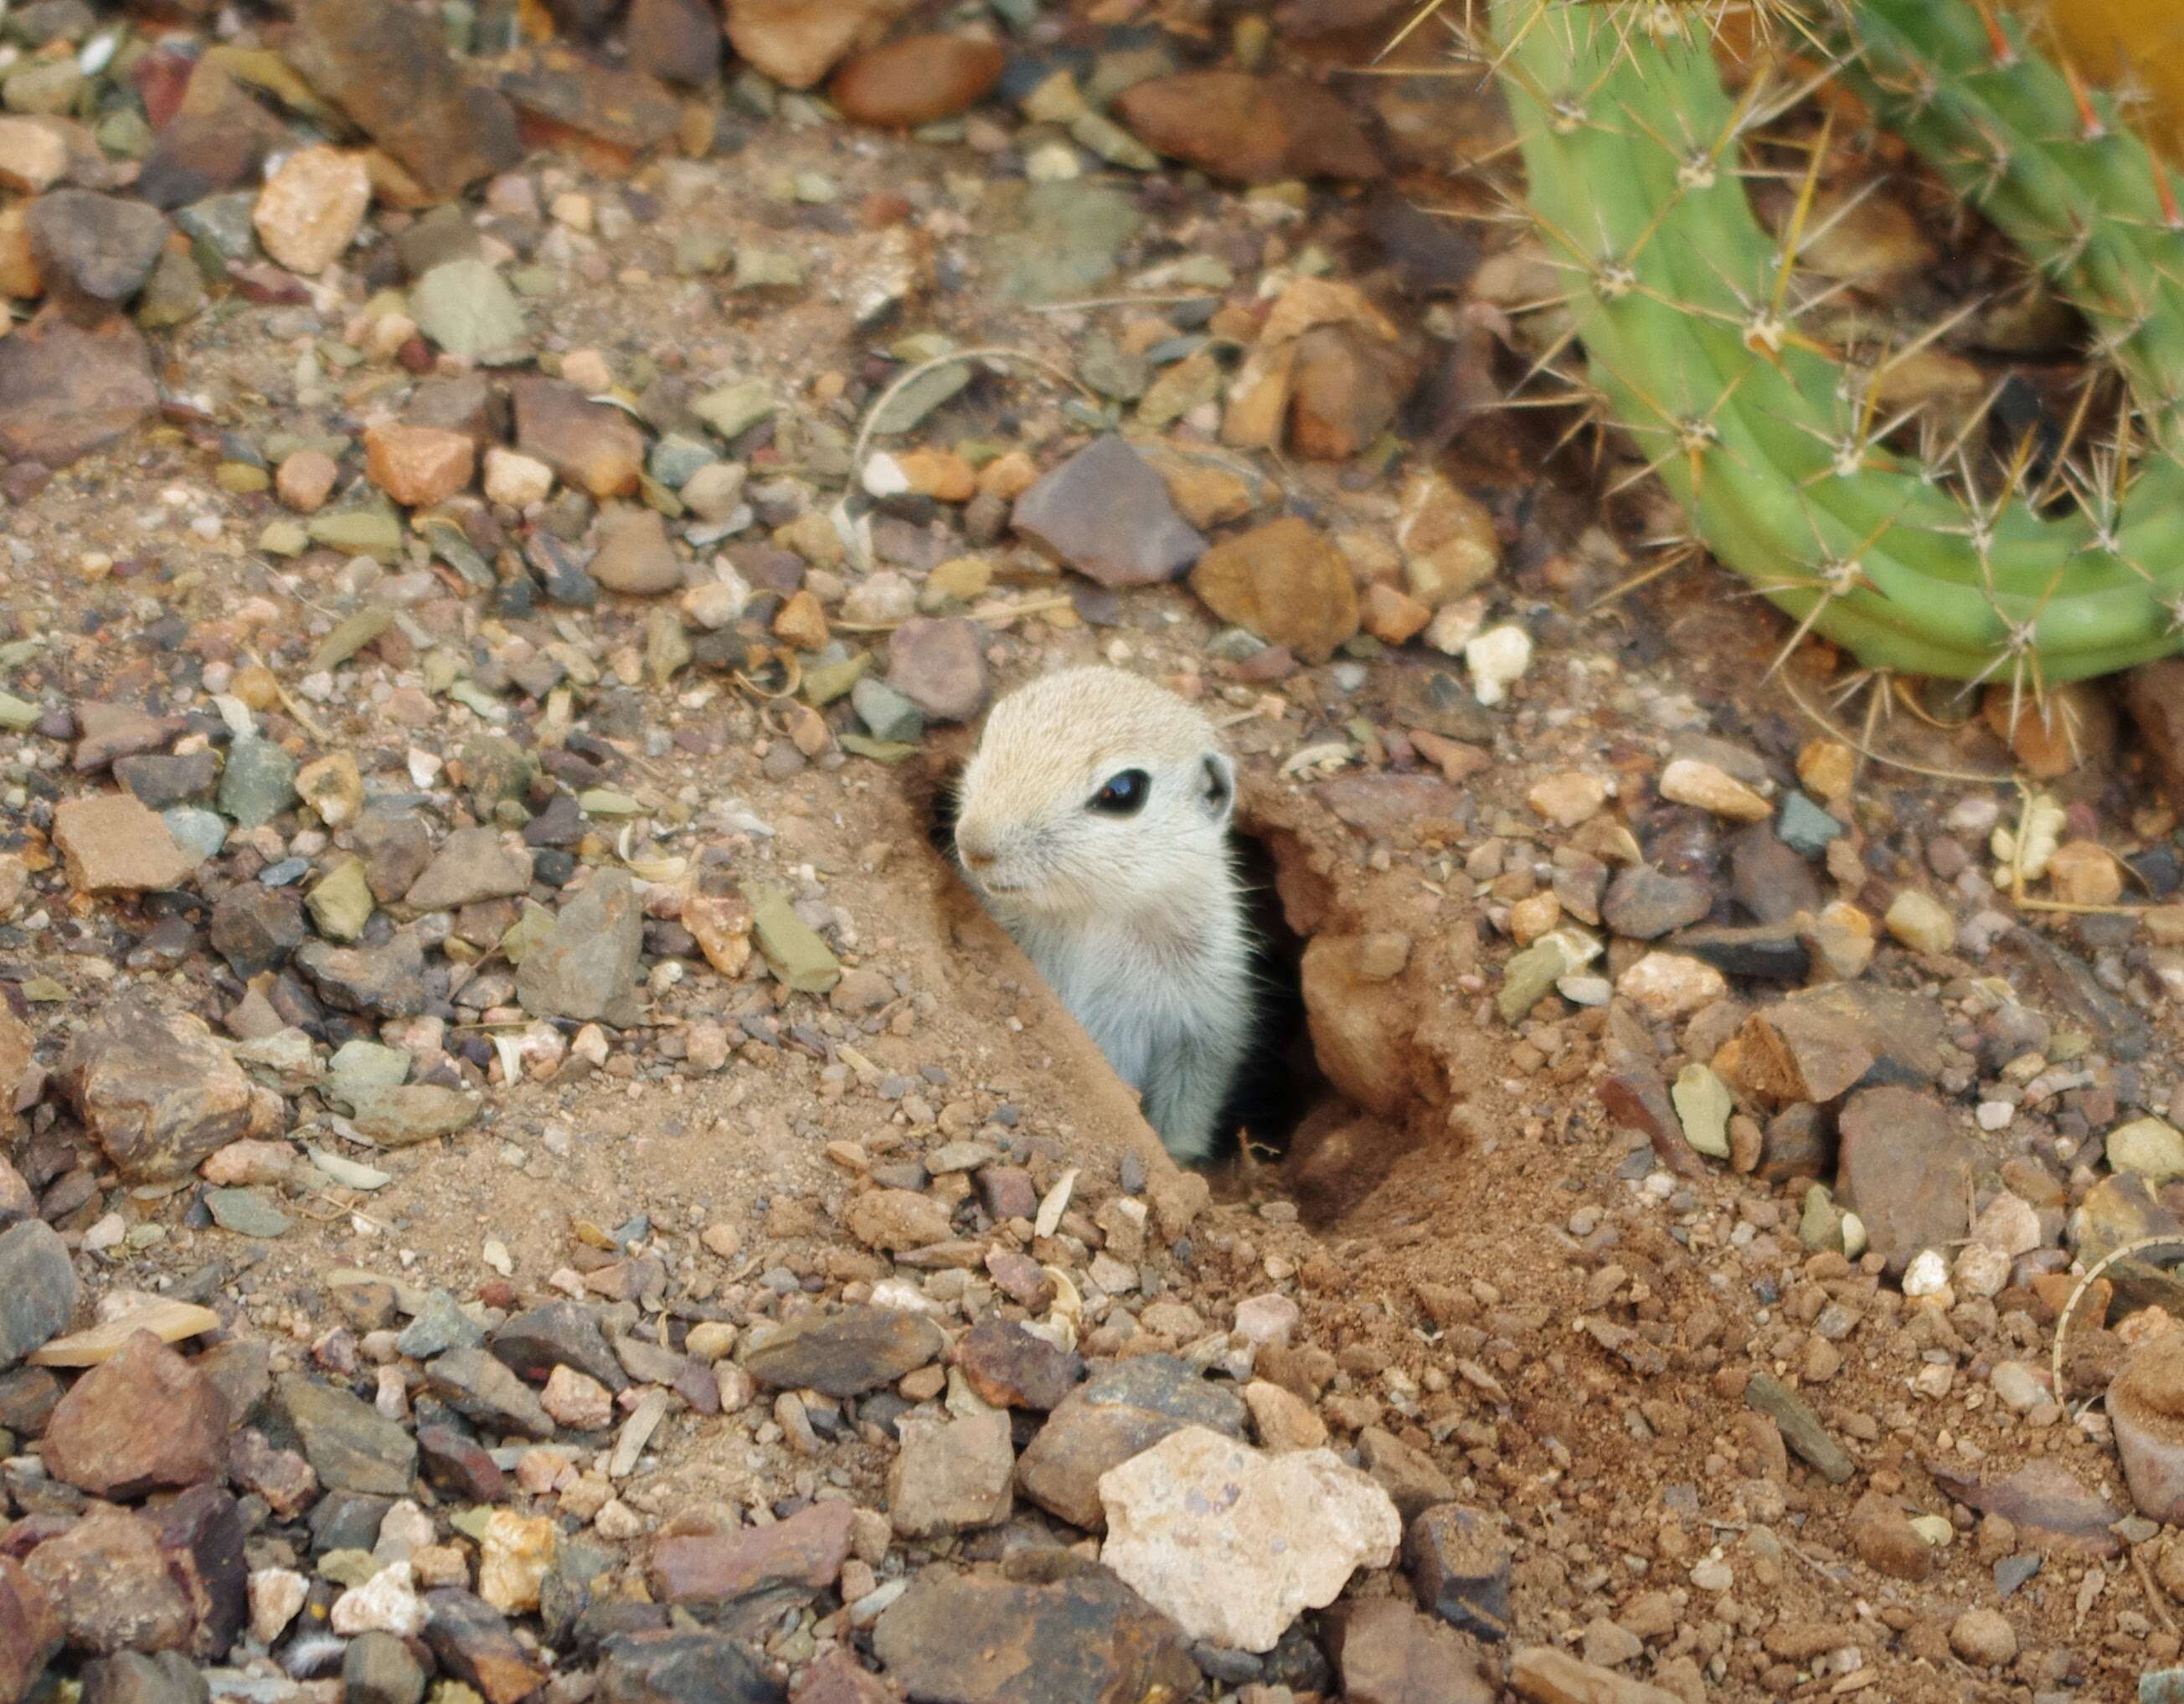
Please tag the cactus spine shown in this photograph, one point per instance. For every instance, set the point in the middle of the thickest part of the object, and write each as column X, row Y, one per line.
column 1689, row 312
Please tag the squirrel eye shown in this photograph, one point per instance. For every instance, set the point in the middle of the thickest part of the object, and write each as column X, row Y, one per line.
column 1124, row 795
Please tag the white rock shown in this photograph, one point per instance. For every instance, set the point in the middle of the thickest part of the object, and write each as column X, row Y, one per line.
column 1980, row 1269
column 719, row 602
column 404, row 1531
column 275, row 1594
column 882, row 597
column 2152, row 1147
column 2019, row 1384
column 2008, row 1225
column 1236, row 1543
column 1265, row 1320
column 883, row 476
column 518, row 481
column 1928, row 1274
column 1455, row 625
column 1671, row 985
column 387, row 1602
column 1495, row 657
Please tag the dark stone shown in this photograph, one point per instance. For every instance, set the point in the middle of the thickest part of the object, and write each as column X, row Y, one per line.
column 1459, row 1568
column 1772, row 883
column 487, row 1392
column 459, row 1465
column 350, row 1445
column 385, row 981
column 395, row 850
column 131, row 1677
column 1643, row 904
column 472, row 1642
column 93, row 251
column 346, row 1521
column 1106, row 513
column 845, row 1352
column 1086, row 1639
column 1800, row 1142
column 37, row 1288
column 27, row 1397
column 1009, row 1367
column 201, row 1534
column 560, row 1334
column 255, row 928
column 1164, row 1385
column 680, row 1666
column 1766, row 952
column 159, row 781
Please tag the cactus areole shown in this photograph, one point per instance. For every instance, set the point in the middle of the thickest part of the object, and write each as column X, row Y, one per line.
column 1689, row 314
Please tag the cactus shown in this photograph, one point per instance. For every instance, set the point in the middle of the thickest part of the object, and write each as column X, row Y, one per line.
column 1689, row 315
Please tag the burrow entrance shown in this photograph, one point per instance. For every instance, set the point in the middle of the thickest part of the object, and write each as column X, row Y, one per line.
column 1343, row 1079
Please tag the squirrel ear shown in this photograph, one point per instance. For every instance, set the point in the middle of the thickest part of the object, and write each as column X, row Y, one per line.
column 1220, row 786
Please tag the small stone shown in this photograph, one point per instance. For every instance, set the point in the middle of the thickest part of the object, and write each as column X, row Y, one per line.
column 843, row 1353
column 1805, row 828
column 1249, row 129
column 1703, row 1104
column 1884, row 1540
column 808, row 1549
column 108, row 1581
column 350, row 1445
column 1570, row 797
column 1690, row 781
column 1643, row 904
column 1540, row 1675
column 144, row 1420
column 37, row 1288
column 472, row 865
column 517, row 480
column 1450, row 545
column 1984, row 1638
column 379, row 1669
column 581, row 1403
column 387, row 980
column 1671, row 985
column 93, row 252
column 2146, row 1408
column 276, row 1593
column 333, row 786
column 419, row 465
column 1286, row 582
column 66, row 391
column 112, row 844
column 952, row 1477
column 796, row 42
column 916, row 79
column 1921, row 922
column 1459, row 1569
column 1497, row 659
column 34, row 154
column 390, row 71
column 258, row 783
column 939, row 664
column 1234, row 1544
column 593, row 447
column 386, row 1603
column 482, row 1390
column 1106, row 513
column 2152, row 1147
column 515, row 1556
column 560, row 1334
column 1282, row 1419
column 1085, row 1637
column 1907, row 1169
column 897, row 1219
column 586, row 967
column 634, row 555
column 309, row 212
column 1012, row 1367
column 1408, row 1475
column 1387, row 1653
column 158, row 1093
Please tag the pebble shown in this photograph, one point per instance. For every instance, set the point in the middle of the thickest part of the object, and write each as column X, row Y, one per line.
column 93, row 252
column 1285, row 582
column 387, row 1603
column 1703, row 1104
column 586, row 967
column 419, row 465
column 808, row 1549
column 593, row 447
column 2151, row 1147
column 2145, row 1403
column 1234, row 1544
column 940, row 666
column 952, row 1477
column 634, row 555
column 1497, row 659
column 1921, row 922
column 1460, row 1569
column 1906, row 1166
column 1568, row 798
column 916, row 80
column 1105, row 512
column 158, row 1093
column 1984, row 1638
column 309, row 210
column 66, row 391
column 1670, row 985
column 1690, row 781
column 111, row 843
column 1249, row 129
column 843, row 1353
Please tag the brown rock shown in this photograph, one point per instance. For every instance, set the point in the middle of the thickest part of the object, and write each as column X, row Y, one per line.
column 418, row 465
column 588, row 444
column 916, row 80
column 1387, row 1653
column 1345, row 391
column 836, row 1678
column 1008, row 1366
column 1249, row 128
column 1392, row 616
column 842, row 1353
column 2154, row 694
column 30, row 1630
column 1540, row 1675
column 17, row 1061
column 146, row 1419
column 474, row 1644
column 1086, row 1639
column 951, row 1477
column 1286, row 582
column 305, row 480
column 200, row 1532
column 33, row 154
column 939, row 664
column 2062, row 729
column 1906, row 1168
column 156, row 1092
column 65, row 391
column 1798, row 1052
column 808, row 1549
column 110, row 1585
column 896, row 1219
column 112, row 844
column 1060, row 1469
column 634, row 555
column 389, row 70
column 1886, row 1541
column 2146, row 1406
column 18, row 267
column 677, row 41
column 1408, row 1476
column 796, row 42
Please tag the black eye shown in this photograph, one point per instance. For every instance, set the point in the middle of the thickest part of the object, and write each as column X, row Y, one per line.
column 1124, row 795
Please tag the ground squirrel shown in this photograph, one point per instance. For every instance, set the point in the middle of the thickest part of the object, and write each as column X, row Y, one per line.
column 1092, row 821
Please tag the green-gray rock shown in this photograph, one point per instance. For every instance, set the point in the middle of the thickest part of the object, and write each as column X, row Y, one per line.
column 1530, row 976
column 891, row 716
column 370, row 529
column 467, row 309
column 407, row 1113
column 350, row 1445
column 340, row 903
column 586, row 967
column 1703, row 1104
column 799, row 958
column 734, row 409
column 247, row 1213
column 259, row 782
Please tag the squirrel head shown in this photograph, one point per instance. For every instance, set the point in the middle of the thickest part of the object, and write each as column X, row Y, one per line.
column 1094, row 792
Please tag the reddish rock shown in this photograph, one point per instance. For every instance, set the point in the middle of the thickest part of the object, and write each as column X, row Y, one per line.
column 588, row 444
column 807, row 1549
column 65, row 391
column 1886, row 1541
column 1010, row 1367
column 1387, row 1653
column 918, row 79
column 940, row 665
column 1345, row 391
column 112, row 844
column 156, row 1092
column 110, row 1586
column 675, row 40
column 1249, row 128
column 388, row 68
column 30, row 1630
column 1906, row 1169
column 796, row 42
column 418, row 465
column 837, row 1677
column 145, row 1419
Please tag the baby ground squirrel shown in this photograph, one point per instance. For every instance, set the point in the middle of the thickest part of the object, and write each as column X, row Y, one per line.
column 1092, row 821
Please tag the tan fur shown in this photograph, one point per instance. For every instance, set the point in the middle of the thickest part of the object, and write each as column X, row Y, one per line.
column 1137, row 923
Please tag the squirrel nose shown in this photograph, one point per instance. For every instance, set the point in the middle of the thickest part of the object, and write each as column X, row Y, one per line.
column 975, row 848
